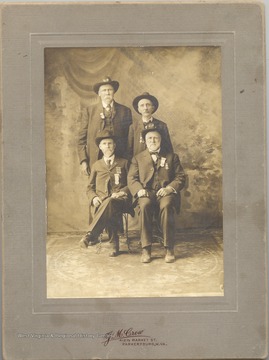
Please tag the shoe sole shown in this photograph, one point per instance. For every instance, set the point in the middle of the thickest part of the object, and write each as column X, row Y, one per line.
column 82, row 244
column 113, row 254
column 92, row 243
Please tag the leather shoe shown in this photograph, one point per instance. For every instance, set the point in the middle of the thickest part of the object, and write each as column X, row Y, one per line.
column 115, row 246
column 146, row 255
column 170, row 256
column 87, row 240
column 114, row 253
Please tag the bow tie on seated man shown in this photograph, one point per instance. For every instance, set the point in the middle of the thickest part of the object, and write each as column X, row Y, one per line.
column 155, row 156
column 108, row 194
column 156, row 191
column 154, row 153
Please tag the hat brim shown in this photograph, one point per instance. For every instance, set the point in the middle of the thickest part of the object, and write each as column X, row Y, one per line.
column 152, row 98
column 99, row 139
column 146, row 131
column 115, row 84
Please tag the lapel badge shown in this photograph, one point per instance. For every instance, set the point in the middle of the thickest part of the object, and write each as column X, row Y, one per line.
column 163, row 160
column 117, row 179
column 118, row 169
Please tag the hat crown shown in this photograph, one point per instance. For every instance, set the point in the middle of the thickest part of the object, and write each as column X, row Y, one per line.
column 145, row 95
column 106, row 133
column 151, row 129
column 106, row 79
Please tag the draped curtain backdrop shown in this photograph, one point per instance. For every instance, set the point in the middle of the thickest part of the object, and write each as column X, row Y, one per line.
column 187, row 83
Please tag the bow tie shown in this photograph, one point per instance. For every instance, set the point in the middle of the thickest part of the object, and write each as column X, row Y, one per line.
column 155, row 153
column 148, row 125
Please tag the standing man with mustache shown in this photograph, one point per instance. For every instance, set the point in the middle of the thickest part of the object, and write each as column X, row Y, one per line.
column 107, row 115
column 146, row 105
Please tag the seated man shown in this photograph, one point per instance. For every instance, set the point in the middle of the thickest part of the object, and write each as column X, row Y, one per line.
column 155, row 179
column 108, row 193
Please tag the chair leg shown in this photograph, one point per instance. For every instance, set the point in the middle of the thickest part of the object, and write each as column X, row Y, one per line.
column 125, row 216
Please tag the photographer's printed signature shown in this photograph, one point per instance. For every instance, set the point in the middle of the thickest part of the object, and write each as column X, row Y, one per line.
column 131, row 337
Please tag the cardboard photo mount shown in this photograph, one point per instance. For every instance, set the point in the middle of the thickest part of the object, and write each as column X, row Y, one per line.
column 232, row 326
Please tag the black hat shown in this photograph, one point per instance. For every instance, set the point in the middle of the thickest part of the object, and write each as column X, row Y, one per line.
column 155, row 128
column 145, row 95
column 105, row 134
column 106, row 81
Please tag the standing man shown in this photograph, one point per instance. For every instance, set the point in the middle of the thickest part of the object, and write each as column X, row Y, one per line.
column 146, row 105
column 108, row 115
column 155, row 180
column 108, row 193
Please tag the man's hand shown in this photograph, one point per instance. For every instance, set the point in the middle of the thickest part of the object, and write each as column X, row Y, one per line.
column 96, row 201
column 165, row 191
column 119, row 195
column 84, row 168
column 142, row 193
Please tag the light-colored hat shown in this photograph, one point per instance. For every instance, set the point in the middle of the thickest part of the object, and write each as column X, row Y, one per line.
column 106, row 81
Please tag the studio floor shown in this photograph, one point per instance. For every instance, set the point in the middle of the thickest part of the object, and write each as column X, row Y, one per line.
column 73, row 272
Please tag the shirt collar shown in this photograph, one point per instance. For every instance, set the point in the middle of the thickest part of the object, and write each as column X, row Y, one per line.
column 157, row 151
column 111, row 104
column 112, row 158
column 146, row 122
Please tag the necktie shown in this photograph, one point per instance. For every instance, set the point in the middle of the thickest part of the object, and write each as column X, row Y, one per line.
column 108, row 111
column 109, row 163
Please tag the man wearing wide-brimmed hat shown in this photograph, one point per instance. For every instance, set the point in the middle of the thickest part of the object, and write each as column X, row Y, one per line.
column 108, row 193
column 155, row 179
column 146, row 105
column 107, row 115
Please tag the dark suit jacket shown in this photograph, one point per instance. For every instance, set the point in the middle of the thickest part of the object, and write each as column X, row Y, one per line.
column 142, row 170
column 135, row 146
column 103, row 182
column 92, row 125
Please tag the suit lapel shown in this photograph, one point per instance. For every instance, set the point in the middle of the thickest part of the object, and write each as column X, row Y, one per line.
column 161, row 155
column 103, row 164
column 114, row 110
column 115, row 163
column 147, row 165
column 100, row 111
column 148, row 157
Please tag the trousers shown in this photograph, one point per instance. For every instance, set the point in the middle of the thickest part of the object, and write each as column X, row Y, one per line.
column 164, row 210
column 108, row 216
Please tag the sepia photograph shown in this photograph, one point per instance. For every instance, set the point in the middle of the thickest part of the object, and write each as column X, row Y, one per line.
column 148, row 222
column 134, row 180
